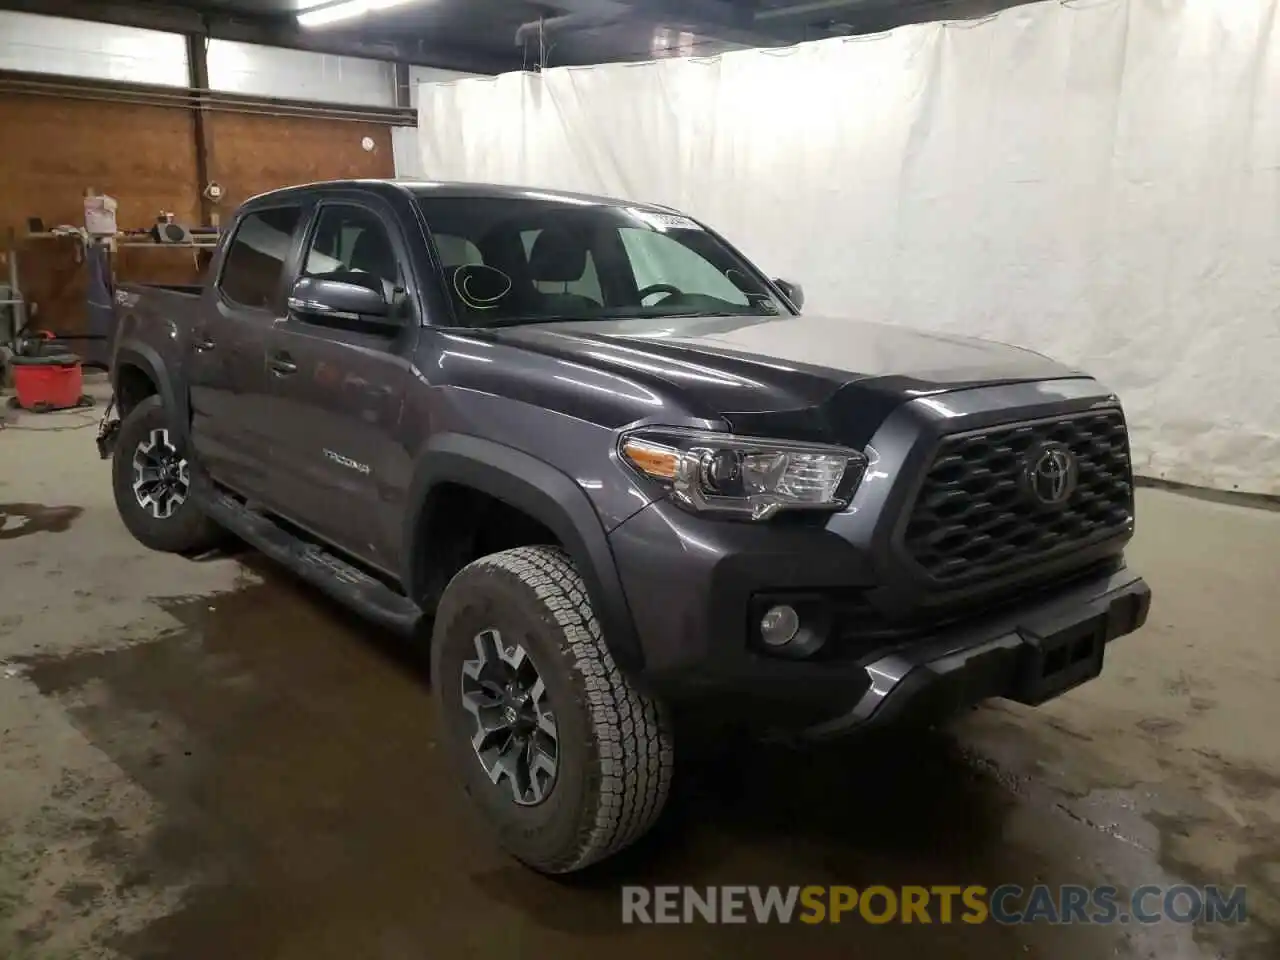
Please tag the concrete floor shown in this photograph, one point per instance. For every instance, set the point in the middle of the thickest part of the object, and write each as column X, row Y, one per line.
column 203, row 759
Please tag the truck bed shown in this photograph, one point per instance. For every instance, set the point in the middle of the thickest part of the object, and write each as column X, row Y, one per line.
column 166, row 306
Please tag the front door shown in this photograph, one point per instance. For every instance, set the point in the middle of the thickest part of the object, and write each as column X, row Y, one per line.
column 227, row 360
column 338, row 385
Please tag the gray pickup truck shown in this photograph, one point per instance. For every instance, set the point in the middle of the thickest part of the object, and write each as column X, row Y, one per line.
column 605, row 466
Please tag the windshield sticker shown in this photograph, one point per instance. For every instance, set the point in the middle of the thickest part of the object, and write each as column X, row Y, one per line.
column 664, row 221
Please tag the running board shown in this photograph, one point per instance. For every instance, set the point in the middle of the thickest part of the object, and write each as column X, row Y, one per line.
column 347, row 584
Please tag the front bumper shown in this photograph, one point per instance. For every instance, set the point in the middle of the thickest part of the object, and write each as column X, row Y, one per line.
column 694, row 588
column 1030, row 654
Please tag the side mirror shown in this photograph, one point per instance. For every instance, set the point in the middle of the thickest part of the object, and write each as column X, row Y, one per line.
column 324, row 299
column 792, row 291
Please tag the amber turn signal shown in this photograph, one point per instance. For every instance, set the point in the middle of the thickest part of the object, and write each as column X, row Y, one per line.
column 651, row 458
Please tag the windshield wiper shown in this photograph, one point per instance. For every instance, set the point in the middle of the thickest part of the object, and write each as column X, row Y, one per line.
column 705, row 313
column 614, row 316
column 522, row 321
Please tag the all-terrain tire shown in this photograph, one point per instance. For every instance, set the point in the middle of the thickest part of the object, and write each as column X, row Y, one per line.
column 186, row 529
column 615, row 744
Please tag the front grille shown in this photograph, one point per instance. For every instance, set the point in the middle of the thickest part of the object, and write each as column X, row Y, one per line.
column 975, row 516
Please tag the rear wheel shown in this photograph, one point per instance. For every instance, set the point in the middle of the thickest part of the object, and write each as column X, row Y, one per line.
column 565, row 759
column 152, row 483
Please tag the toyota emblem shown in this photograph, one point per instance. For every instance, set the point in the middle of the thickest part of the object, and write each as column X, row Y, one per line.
column 1051, row 474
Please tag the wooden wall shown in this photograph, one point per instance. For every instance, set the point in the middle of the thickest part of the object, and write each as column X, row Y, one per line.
column 144, row 156
column 52, row 150
column 249, row 154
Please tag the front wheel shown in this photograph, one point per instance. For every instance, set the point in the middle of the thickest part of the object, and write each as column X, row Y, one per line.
column 152, row 484
column 564, row 757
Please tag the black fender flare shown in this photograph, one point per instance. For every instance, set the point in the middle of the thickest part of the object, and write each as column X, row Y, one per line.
column 547, row 495
column 145, row 358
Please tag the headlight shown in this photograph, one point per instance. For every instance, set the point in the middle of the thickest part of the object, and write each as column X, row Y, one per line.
column 722, row 473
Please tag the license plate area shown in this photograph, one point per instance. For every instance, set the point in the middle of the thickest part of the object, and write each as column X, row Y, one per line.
column 1054, row 663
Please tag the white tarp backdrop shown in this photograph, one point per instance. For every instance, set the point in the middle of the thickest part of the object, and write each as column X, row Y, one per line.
column 1099, row 181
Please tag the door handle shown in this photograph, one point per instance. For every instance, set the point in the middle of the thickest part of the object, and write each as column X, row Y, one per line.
column 282, row 365
column 202, row 343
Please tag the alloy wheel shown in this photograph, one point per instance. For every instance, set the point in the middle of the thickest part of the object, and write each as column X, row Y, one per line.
column 161, row 480
column 515, row 737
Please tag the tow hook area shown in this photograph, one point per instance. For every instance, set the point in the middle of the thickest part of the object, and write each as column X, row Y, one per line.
column 108, row 428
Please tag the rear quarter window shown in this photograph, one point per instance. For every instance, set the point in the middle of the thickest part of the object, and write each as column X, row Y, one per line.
column 255, row 261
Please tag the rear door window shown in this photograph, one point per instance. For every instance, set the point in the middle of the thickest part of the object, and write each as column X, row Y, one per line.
column 254, row 265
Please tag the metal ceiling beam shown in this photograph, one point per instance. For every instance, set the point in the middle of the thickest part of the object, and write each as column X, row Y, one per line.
column 214, row 101
column 886, row 16
column 269, row 31
column 873, row 16
column 805, row 9
column 720, row 19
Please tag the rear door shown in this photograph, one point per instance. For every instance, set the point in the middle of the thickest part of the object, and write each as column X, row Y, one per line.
column 338, row 386
column 227, row 366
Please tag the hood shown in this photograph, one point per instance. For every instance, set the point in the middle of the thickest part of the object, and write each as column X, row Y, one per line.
column 795, row 376
column 859, row 350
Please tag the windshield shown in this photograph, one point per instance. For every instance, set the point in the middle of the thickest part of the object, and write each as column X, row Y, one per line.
column 509, row 261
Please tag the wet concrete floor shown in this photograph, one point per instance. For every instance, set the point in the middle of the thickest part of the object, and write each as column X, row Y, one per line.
column 208, row 760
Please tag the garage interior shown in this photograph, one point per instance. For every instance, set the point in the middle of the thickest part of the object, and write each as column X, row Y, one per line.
column 205, row 758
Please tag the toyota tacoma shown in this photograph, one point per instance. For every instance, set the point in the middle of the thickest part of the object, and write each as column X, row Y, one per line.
column 605, row 466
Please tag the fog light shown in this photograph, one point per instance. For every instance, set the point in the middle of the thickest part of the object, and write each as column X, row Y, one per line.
column 779, row 626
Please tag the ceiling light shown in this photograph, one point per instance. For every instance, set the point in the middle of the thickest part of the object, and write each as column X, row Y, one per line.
column 345, row 10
